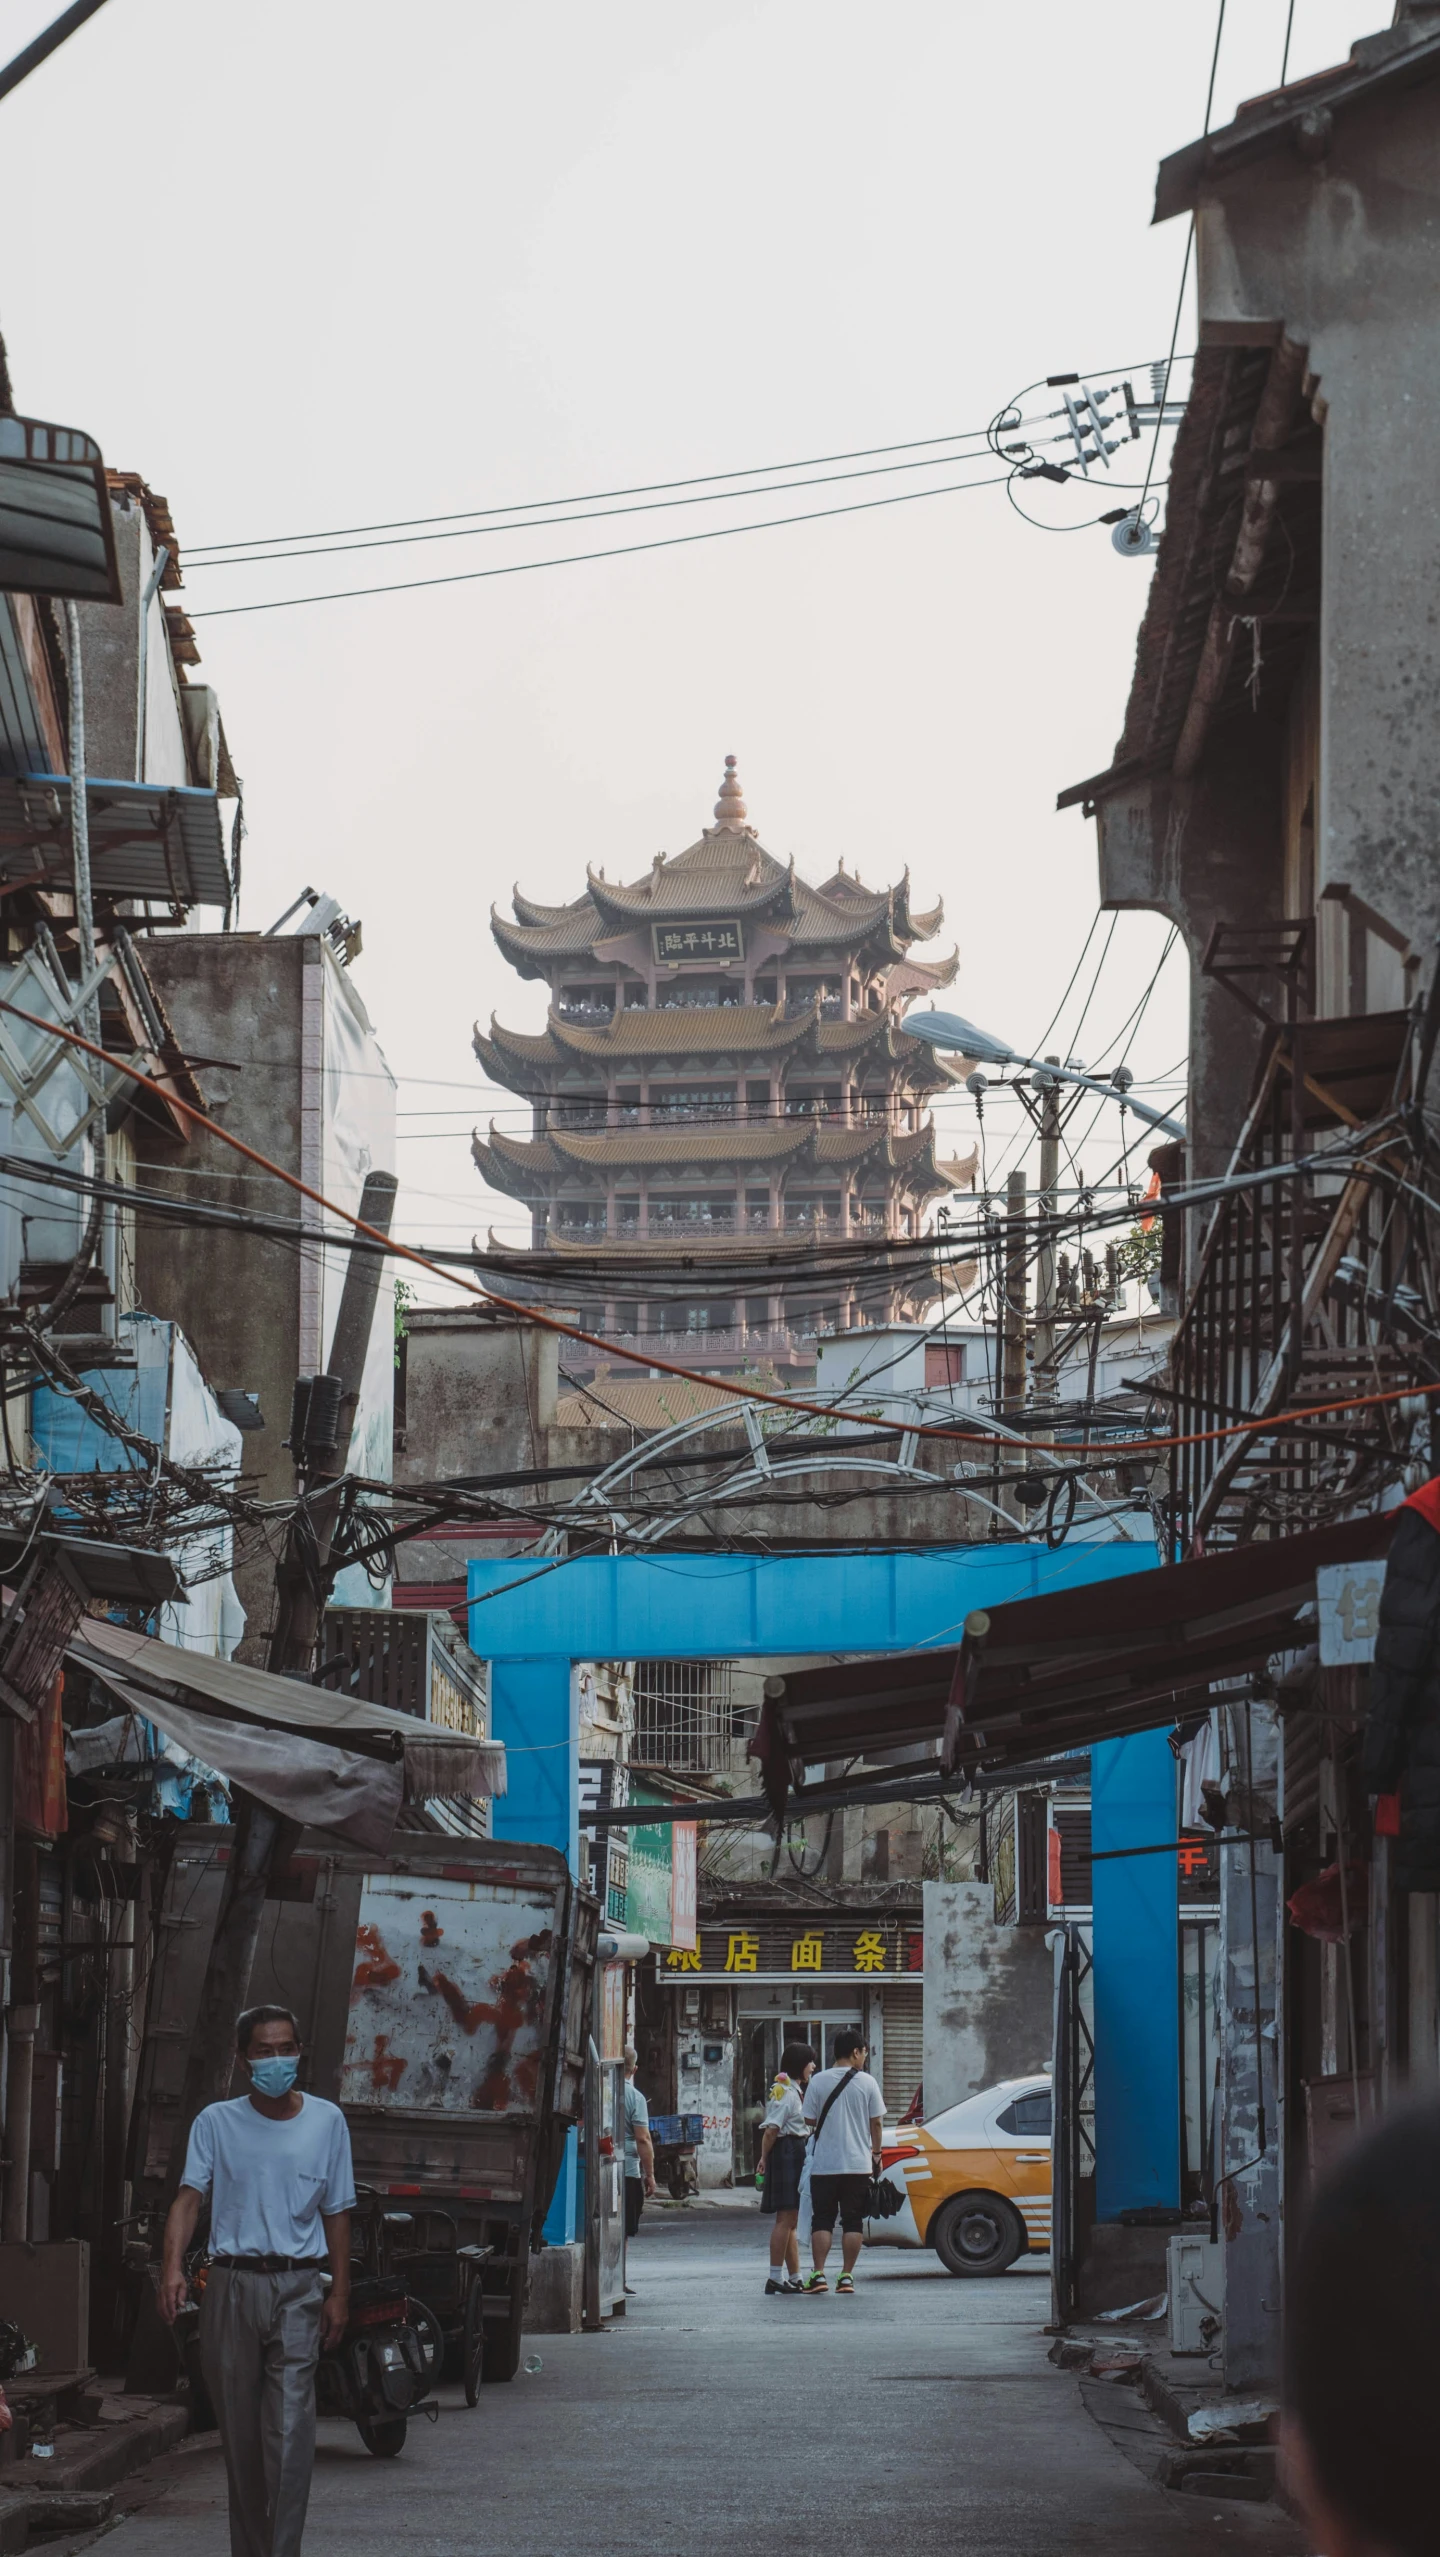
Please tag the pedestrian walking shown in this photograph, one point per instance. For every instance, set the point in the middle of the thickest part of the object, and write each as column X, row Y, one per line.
column 784, row 2141
column 1363, row 2346
column 275, row 2167
column 847, row 2110
column 639, row 2148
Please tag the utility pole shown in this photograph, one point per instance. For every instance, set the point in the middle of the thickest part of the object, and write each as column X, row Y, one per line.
column 1014, row 1278
column 262, row 1839
column 1046, row 1382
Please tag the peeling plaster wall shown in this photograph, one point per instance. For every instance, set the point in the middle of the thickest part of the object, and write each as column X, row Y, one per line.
column 989, row 1994
column 1342, row 252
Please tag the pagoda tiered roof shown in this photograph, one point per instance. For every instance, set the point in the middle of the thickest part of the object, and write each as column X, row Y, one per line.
column 529, row 1166
column 725, row 872
column 519, row 1058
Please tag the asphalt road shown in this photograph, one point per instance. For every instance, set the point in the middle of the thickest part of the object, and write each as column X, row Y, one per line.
column 920, row 2416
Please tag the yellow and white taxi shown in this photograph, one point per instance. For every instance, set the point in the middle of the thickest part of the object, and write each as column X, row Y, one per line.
column 976, row 2179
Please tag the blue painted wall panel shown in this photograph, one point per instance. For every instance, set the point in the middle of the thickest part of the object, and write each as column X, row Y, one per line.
column 534, row 1709
column 1137, row 2012
column 726, row 1606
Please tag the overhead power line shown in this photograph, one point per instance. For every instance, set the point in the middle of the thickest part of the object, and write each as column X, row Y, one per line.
column 573, row 559
column 543, row 507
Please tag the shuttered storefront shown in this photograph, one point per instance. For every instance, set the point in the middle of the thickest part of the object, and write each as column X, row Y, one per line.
column 904, row 2059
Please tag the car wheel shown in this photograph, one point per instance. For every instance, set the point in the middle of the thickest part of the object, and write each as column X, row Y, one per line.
column 977, row 2233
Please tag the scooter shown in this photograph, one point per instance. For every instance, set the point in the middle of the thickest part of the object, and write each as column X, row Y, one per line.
column 379, row 2372
column 377, row 2375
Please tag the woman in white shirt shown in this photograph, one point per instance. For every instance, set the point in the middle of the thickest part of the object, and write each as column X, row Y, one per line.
column 784, row 2143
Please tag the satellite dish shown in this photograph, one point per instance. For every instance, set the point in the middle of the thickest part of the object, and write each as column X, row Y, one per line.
column 1132, row 537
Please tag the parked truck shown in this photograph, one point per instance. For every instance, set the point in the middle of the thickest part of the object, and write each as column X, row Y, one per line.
column 443, row 1996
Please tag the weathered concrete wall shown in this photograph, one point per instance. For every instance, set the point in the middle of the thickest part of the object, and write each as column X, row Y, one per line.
column 1340, row 251
column 480, row 1398
column 236, row 1296
column 989, row 1995
column 1204, row 852
column 110, row 641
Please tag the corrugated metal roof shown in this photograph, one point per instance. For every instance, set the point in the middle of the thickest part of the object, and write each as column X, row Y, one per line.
column 146, row 839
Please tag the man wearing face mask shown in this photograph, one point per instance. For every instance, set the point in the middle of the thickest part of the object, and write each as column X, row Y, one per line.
column 276, row 2166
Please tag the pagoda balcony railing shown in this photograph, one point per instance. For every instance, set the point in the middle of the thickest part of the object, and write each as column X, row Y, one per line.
column 696, row 999
column 832, row 1006
column 592, row 1015
column 724, row 1111
column 666, row 1224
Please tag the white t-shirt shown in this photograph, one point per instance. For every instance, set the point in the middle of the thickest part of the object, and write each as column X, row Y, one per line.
column 784, row 2114
column 637, row 2117
column 843, row 2147
column 270, row 2182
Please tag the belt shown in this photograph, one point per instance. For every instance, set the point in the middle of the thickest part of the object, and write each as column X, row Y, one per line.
column 270, row 2263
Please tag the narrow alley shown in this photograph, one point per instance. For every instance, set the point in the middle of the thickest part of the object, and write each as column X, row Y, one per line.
column 921, row 2415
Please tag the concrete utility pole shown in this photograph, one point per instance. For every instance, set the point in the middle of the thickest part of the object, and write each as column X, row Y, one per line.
column 1013, row 1288
column 264, row 1839
column 1046, row 1384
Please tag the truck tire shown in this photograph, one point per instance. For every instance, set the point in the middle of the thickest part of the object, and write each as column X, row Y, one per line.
column 977, row 2234
column 382, row 2440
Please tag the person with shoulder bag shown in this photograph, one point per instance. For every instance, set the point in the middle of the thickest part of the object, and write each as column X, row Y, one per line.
column 784, row 2139
column 846, row 2110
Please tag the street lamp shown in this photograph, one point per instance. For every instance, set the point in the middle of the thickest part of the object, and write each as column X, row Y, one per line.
column 947, row 1030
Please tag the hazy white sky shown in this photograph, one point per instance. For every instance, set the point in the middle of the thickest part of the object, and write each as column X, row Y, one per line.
column 306, row 264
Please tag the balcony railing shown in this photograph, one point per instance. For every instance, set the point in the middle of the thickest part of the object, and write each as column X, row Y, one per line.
column 590, row 1015
column 1291, row 1306
column 704, row 1348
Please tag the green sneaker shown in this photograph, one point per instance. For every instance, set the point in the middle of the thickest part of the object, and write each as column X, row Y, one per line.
column 816, row 2282
column 845, row 2283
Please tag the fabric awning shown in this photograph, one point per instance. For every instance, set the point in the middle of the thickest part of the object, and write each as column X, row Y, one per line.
column 150, row 1674
column 310, row 1781
column 1044, row 1675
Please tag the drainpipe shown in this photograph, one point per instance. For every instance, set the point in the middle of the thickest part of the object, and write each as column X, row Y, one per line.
column 162, row 562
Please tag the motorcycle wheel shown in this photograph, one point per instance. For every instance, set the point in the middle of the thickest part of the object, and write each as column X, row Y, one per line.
column 474, row 2349
column 432, row 2338
column 382, row 2440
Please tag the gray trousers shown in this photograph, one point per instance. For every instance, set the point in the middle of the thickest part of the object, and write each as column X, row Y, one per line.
column 259, row 2344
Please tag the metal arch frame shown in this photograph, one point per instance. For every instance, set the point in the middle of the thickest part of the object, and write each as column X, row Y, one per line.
column 596, row 1498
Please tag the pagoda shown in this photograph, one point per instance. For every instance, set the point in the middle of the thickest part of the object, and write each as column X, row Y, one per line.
column 724, row 1077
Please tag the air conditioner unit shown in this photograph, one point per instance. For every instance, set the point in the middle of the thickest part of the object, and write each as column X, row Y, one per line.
column 1197, row 2293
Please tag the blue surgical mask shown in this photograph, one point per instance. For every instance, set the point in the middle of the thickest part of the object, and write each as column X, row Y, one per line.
column 275, row 2075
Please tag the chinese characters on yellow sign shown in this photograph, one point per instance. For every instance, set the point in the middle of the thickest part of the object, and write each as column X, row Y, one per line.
column 771, row 1949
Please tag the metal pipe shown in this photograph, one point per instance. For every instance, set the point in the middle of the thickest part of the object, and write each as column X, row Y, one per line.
column 162, row 562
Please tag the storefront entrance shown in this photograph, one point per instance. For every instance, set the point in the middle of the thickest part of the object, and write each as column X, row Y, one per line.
column 762, row 2039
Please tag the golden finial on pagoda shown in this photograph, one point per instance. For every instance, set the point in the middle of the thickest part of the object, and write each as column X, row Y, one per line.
column 730, row 811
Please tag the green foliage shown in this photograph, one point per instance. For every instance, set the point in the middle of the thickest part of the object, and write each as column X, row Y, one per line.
column 404, row 1298
column 1139, row 1253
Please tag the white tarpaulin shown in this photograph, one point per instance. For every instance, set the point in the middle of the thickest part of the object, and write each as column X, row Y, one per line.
column 437, row 1761
column 309, row 1781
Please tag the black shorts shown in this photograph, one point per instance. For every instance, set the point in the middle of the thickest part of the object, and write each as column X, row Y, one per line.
column 847, row 2194
column 783, row 2169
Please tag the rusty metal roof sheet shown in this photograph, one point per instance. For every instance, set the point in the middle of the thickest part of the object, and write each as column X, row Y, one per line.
column 1403, row 56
